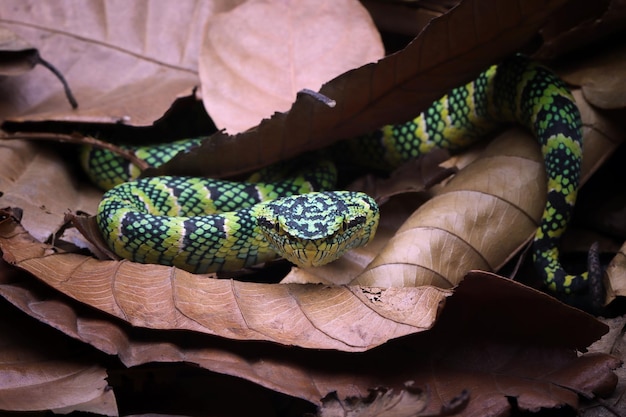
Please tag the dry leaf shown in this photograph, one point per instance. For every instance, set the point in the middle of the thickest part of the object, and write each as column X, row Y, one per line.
column 580, row 25
column 37, row 180
column 456, row 231
column 256, row 57
column 54, row 375
column 485, row 328
column 159, row 297
column 125, row 62
column 601, row 78
column 446, row 54
column 408, row 402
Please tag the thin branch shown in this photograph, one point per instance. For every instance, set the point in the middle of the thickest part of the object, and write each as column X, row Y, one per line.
column 57, row 73
column 85, row 141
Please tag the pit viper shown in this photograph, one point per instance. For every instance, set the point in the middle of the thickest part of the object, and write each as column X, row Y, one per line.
column 172, row 220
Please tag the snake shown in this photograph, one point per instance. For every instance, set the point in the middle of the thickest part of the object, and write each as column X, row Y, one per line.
column 206, row 225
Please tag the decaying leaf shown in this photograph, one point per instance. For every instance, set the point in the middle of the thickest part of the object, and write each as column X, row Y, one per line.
column 393, row 90
column 59, row 377
column 601, row 78
column 616, row 276
column 408, row 402
column 159, row 297
column 307, row 43
column 126, row 62
column 487, row 341
column 38, row 180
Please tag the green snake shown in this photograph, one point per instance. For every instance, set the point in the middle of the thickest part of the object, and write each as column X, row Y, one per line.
column 203, row 225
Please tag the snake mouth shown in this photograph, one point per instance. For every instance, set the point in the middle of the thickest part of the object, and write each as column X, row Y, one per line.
column 310, row 252
column 318, row 228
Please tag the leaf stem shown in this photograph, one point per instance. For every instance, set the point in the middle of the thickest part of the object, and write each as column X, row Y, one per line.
column 57, row 73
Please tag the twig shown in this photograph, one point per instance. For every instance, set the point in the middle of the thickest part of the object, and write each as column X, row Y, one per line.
column 57, row 73
column 83, row 140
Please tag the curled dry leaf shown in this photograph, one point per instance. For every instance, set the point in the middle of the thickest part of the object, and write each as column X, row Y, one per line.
column 457, row 230
column 256, row 57
column 601, row 78
column 343, row 318
column 485, row 214
column 486, row 340
column 451, row 50
column 54, row 375
column 37, row 180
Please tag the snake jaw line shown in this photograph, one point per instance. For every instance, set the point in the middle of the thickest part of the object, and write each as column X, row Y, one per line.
column 326, row 226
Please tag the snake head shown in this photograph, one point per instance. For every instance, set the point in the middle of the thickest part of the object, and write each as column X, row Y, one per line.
column 316, row 228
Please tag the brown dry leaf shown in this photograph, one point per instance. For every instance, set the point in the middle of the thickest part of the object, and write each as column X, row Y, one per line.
column 456, row 231
column 159, row 297
column 53, row 375
column 256, row 57
column 37, row 180
column 125, row 62
column 408, row 402
column 487, row 340
column 614, row 343
column 451, row 50
column 485, row 214
column 601, row 78
column 616, row 276
column 583, row 24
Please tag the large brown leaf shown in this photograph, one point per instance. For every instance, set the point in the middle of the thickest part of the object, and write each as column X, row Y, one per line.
column 126, row 62
column 159, row 297
column 63, row 377
column 247, row 78
column 450, row 51
column 37, row 180
column 487, row 341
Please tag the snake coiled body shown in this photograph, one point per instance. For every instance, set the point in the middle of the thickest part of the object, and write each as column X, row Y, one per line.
column 518, row 90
